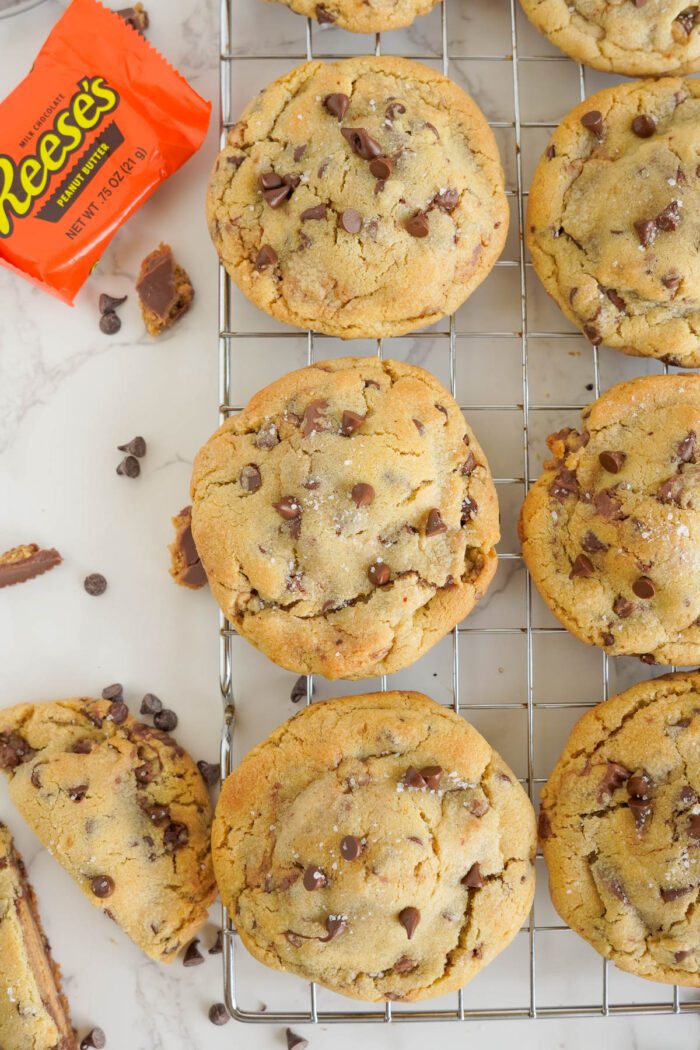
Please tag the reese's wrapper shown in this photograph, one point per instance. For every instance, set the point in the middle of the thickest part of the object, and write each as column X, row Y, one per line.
column 100, row 121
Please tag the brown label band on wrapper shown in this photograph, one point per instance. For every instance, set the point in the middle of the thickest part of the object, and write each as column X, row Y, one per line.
column 100, row 121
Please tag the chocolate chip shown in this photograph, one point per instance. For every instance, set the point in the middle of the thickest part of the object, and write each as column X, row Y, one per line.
column 622, row 607
column 267, row 256
column 146, row 773
column 669, row 219
column 446, row 200
column 299, row 689
column 335, row 925
column 362, row 143
column 614, row 777
column 288, row 508
column 165, row 720
column 151, row 705
column 107, row 303
column 250, row 478
column 135, row 447
column 409, row 919
column 192, row 956
column 434, row 523
column 417, row 225
column 362, row 494
column 113, row 692
column 350, row 422
column 266, row 437
column 76, row 794
column 317, row 212
column 420, row 427
column 158, row 815
column 379, row 574
column 687, row 19
column 607, row 638
column 672, row 281
column 688, row 795
column 175, row 836
column 681, row 955
column 612, row 461
column 564, row 484
column 118, row 712
column 592, row 334
column 616, row 299
column 473, row 879
column 608, row 505
column 350, row 220
column 211, row 771
column 641, row 810
column 544, row 826
column 392, row 109
column 314, row 878
column 694, row 826
column 432, row 775
column 639, row 785
column 412, row 778
column 218, row 1014
column 469, row 465
column 218, row 945
column 672, row 893
column 102, row 886
column 95, row 584
column 350, row 847
column 110, row 323
column 95, row 1039
column 129, row 467
column 582, row 568
column 646, row 231
column 294, row 1041
column 592, row 544
column 644, row 126
column 404, row 965
column 685, row 449
column 313, row 417
column 644, row 587
column 236, row 160
column 81, row 747
column 337, row 104
column 593, row 122
column 381, row 167
column 277, row 195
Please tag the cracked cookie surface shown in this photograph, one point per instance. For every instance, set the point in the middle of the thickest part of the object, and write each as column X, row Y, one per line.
column 612, row 220
column 121, row 807
column 378, row 845
column 620, row 829
column 346, row 518
column 363, row 16
column 611, row 529
column 639, row 38
column 362, row 198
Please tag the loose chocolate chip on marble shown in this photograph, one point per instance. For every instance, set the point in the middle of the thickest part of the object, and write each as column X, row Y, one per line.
column 639, row 785
column 288, row 508
column 317, row 212
column 211, row 771
column 622, row 607
column 294, row 1041
column 95, row 584
column 158, row 815
column 592, row 544
column 94, row 1040
column 314, row 878
column 614, row 777
column 564, row 484
column 685, row 449
column 409, row 919
column 644, row 587
column 612, row 461
column 582, row 568
column 77, row 793
column 362, row 494
column 694, row 826
column 413, row 778
column 473, row 879
column 151, row 705
column 646, row 231
column 113, row 692
column 135, row 447
column 165, row 720
column 350, row 422
column 644, row 126
column 672, row 893
column 350, row 220
column 102, row 886
column 669, row 219
column 176, row 835
column 417, row 225
column 118, row 712
column 379, row 574
column 107, row 303
column 469, row 509
column 593, row 122
column 335, row 925
column 642, row 810
column 434, row 523
column 192, row 956
column 129, row 467
column 110, row 323
column 608, row 505
column 432, row 775
column 381, row 167
column 267, row 256
column 362, row 143
column 218, row 945
column 250, row 478
column 420, row 427
column 218, row 1014
column 350, row 847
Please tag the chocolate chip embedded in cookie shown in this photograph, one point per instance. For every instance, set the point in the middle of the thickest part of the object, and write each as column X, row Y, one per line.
column 362, row 198
column 122, row 807
column 343, row 867
column 346, row 518
column 611, row 219
column 620, row 833
column 609, row 529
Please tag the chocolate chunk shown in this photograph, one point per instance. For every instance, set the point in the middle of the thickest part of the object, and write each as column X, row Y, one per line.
column 362, row 143
column 669, row 219
column 685, row 449
column 102, row 886
column 592, row 334
column 409, row 919
column 473, row 879
column 593, row 122
column 192, row 956
column 350, row 220
column 350, row 847
column 420, row 427
column 434, row 523
column 77, row 793
column 641, row 810
column 158, row 815
column 381, row 167
column 151, row 705
column 218, row 945
column 379, row 574
column 646, row 231
column 644, row 587
column 417, row 225
column 644, row 126
column 564, row 484
column 616, row 299
column 165, row 720
column 175, row 836
column 250, row 478
column 432, row 775
column 95, row 584
column 392, row 109
column 110, row 323
column 129, row 467
column 412, row 778
column 95, row 1039
column 614, row 777
column 469, row 465
column 211, row 771
column 337, row 104
column 288, row 508
column 350, row 422
column 135, row 447
column 14, row 749
column 118, row 712
column 113, row 692
column 267, row 437
column 581, row 568
column 362, row 494
column 612, row 461
column 20, row 564
column 694, row 826
column 186, row 567
column 294, row 1041
column 592, row 544
column 446, row 200
column 317, row 212
column 218, row 1014
column 639, row 785
column 267, row 256
column 608, row 505
column 672, row 893
column 670, row 491
column 313, row 417
column 299, row 690
column 335, row 925
column 314, row 878
column 622, row 607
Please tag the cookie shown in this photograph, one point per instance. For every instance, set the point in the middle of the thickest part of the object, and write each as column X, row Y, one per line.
column 346, row 519
column 121, row 807
column 610, row 531
column 357, row 16
column 34, row 1012
column 640, row 38
column 377, row 845
column 611, row 219
column 620, row 829
column 363, row 198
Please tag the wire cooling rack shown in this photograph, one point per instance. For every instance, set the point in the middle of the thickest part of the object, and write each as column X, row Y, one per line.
column 528, row 993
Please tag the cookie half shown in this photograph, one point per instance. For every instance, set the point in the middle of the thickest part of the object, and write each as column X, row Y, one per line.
column 612, row 219
column 611, row 529
column 620, row 829
column 378, row 845
column 363, row 16
column 34, row 1012
column 640, row 38
column 122, row 808
column 346, row 518
column 362, row 198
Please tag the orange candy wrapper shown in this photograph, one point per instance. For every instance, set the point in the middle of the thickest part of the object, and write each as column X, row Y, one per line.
column 100, row 121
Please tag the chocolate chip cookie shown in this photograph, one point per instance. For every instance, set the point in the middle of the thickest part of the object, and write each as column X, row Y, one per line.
column 33, row 1011
column 362, row 198
column 612, row 219
column 378, row 845
column 121, row 807
column 620, row 829
column 359, row 16
column 640, row 38
column 610, row 530
column 346, row 518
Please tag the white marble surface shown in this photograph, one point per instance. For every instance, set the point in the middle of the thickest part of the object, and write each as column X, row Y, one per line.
column 69, row 395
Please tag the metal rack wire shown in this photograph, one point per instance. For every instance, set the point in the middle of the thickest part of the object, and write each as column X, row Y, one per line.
column 670, row 1003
